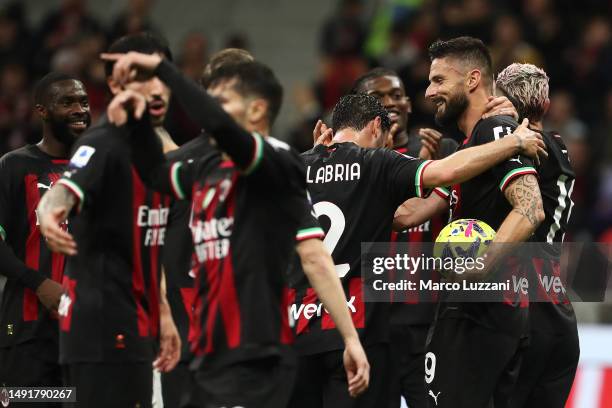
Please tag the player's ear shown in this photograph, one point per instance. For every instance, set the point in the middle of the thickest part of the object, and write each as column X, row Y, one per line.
column 546, row 107
column 42, row 111
column 408, row 105
column 113, row 85
column 473, row 79
column 377, row 131
column 257, row 110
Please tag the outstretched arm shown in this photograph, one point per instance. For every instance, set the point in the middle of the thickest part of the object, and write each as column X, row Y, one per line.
column 468, row 163
column 416, row 211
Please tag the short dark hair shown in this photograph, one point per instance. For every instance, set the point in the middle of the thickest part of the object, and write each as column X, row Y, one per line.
column 468, row 50
column 253, row 79
column 368, row 76
column 145, row 42
column 42, row 87
column 355, row 111
column 224, row 57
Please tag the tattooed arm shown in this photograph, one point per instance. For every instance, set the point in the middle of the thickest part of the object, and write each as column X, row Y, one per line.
column 53, row 209
column 527, row 210
column 527, row 213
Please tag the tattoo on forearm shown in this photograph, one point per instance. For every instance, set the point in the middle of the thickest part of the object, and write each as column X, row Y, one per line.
column 57, row 196
column 524, row 195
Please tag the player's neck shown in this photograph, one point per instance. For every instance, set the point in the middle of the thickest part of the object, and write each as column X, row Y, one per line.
column 473, row 113
column 537, row 125
column 345, row 135
column 168, row 144
column 51, row 146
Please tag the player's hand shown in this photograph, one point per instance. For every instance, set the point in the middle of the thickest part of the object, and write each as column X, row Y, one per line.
column 531, row 143
column 49, row 293
column 58, row 240
column 357, row 368
column 431, row 140
column 390, row 142
column 322, row 134
column 124, row 102
column 133, row 66
column 169, row 341
column 500, row 106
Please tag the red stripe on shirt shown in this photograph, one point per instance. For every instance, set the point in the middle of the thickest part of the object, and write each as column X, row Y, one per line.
column 57, row 260
column 230, row 307
column 606, row 387
column 286, row 335
column 33, row 242
column 138, row 199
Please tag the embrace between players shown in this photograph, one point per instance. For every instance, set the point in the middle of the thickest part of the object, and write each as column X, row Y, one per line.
column 251, row 212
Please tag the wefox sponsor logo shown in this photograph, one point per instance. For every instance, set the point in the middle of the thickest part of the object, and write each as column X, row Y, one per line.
column 310, row 310
column 154, row 220
column 212, row 237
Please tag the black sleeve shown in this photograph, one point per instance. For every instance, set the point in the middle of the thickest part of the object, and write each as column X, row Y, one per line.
column 12, row 266
column 309, row 224
column 92, row 158
column 269, row 160
column 239, row 144
column 401, row 175
column 492, row 129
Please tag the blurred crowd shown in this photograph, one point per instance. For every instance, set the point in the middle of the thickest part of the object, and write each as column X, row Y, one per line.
column 571, row 40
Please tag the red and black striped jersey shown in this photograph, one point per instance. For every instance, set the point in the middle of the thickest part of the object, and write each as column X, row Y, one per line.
column 355, row 193
column 482, row 198
column 25, row 175
column 554, row 312
column 243, row 226
column 418, row 307
column 178, row 250
column 110, row 309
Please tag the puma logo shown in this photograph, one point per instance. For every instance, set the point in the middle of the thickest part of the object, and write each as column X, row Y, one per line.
column 435, row 396
column 43, row 186
column 516, row 159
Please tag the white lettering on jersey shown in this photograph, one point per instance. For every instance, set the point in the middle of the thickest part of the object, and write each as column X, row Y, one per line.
column 212, row 238
column 334, row 172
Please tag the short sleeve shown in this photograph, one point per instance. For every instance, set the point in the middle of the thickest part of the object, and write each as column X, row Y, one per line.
column 493, row 129
column 403, row 175
column 87, row 168
column 309, row 224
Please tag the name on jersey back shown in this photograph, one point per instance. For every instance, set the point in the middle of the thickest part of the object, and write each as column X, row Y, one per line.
column 333, row 172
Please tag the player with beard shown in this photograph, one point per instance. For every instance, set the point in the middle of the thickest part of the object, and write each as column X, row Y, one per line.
column 178, row 250
column 358, row 187
column 410, row 316
column 549, row 364
column 242, row 337
column 487, row 338
column 28, row 312
column 113, row 311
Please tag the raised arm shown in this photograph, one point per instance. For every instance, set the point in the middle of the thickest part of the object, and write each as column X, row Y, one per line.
column 527, row 213
column 468, row 163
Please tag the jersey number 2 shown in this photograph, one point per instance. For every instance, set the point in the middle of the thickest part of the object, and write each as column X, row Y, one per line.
column 336, row 229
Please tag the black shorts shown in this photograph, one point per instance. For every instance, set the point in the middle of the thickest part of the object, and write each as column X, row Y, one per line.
column 408, row 365
column 31, row 364
column 106, row 385
column 468, row 365
column 321, row 381
column 261, row 383
column 548, row 370
column 176, row 385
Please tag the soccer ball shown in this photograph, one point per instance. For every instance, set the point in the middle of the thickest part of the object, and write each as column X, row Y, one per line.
column 465, row 238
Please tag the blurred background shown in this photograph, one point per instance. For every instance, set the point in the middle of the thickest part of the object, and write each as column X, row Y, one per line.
column 319, row 47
